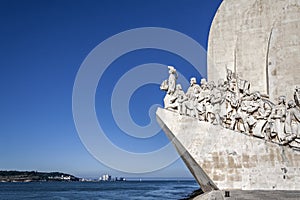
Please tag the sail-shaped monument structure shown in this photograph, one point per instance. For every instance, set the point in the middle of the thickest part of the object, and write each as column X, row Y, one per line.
column 240, row 128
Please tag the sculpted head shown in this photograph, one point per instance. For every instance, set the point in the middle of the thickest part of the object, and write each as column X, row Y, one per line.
column 211, row 85
column 171, row 69
column 281, row 99
column 193, row 81
column 220, row 82
column 291, row 104
column 178, row 87
column 203, row 83
column 256, row 95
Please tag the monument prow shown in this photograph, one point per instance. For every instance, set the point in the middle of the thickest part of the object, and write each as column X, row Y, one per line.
column 231, row 138
column 229, row 135
column 225, row 159
column 179, row 142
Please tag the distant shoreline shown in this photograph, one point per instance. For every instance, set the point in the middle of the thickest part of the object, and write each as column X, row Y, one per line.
column 35, row 176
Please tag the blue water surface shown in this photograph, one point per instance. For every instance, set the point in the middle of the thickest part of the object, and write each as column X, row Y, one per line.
column 134, row 190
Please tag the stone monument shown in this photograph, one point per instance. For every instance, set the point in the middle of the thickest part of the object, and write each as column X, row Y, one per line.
column 231, row 138
column 241, row 128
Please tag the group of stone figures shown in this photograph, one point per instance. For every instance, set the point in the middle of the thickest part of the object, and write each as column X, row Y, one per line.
column 230, row 104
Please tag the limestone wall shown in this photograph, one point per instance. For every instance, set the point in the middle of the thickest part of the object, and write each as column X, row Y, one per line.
column 234, row 160
column 260, row 41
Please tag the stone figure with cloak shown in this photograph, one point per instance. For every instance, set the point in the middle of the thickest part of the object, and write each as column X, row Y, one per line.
column 169, row 85
column 172, row 80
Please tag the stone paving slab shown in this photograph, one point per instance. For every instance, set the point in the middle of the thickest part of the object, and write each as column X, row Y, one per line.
column 251, row 195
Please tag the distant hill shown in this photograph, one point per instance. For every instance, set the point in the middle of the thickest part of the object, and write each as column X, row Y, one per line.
column 30, row 176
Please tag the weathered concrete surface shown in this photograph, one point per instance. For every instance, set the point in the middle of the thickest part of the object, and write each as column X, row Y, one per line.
column 231, row 159
column 260, row 41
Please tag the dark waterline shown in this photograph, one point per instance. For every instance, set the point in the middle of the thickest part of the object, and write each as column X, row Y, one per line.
column 134, row 190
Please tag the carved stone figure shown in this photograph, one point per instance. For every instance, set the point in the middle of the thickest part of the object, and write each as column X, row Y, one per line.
column 177, row 98
column 243, row 87
column 193, row 89
column 216, row 100
column 189, row 106
column 222, row 88
column 231, row 80
column 258, row 111
column 202, row 100
column 278, row 118
column 172, row 80
column 231, row 105
column 292, row 122
column 242, row 117
column 169, row 86
column 164, row 85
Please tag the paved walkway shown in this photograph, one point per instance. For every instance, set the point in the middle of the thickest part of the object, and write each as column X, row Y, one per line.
column 251, row 195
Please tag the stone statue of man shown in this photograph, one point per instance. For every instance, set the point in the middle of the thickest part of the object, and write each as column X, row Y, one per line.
column 172, row 80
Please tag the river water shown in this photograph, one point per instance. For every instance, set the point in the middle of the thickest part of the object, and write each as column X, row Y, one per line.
column 134, row 190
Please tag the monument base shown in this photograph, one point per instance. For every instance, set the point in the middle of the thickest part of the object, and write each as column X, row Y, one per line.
column 250, row 195
column 223, row 159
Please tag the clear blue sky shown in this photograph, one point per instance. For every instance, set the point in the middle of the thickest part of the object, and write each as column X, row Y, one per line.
column 42, row 46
